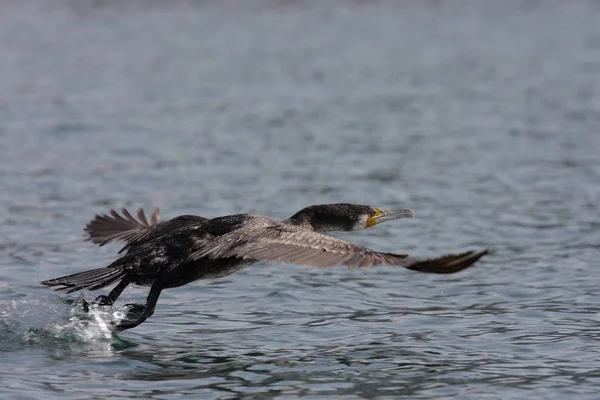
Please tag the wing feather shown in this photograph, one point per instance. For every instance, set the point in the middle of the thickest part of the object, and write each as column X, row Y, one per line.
column 291, row 244
column 115, row 227
column 104, row 228
column 142, row 216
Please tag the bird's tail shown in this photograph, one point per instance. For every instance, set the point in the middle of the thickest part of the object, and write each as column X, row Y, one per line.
column 91, row 280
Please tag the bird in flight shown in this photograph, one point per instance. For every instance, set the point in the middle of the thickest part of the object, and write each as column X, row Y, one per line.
column 187, row 248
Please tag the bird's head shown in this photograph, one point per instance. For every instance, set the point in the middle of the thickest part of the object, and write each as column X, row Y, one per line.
column 344, row 217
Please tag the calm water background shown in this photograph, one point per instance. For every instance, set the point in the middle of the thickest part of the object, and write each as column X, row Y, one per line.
column 483, row 117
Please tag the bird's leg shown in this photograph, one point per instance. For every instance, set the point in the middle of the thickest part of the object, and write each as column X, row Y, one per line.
column 109, row 300
column 138, row 313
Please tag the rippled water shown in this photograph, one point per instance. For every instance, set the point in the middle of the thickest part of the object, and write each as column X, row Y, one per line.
column 483, row 117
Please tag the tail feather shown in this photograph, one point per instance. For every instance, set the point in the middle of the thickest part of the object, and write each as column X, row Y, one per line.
column 92, row 279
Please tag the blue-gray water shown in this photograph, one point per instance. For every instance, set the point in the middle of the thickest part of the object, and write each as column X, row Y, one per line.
column 483, row 117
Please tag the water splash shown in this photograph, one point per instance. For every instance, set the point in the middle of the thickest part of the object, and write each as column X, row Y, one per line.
column 86, row 326
column 36, row 320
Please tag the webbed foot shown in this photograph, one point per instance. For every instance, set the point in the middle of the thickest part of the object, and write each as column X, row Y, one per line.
column 136, row 314
column 103, row 300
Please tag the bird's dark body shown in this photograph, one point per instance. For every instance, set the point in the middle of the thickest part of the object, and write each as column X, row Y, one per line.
column 163, row 258
column 170, row 226
column 188, row 248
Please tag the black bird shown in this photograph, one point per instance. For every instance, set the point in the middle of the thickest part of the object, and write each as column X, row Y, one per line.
column 187, row 248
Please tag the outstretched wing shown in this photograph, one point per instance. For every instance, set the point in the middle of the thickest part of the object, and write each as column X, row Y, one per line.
column 104, row 228
column 303, row 247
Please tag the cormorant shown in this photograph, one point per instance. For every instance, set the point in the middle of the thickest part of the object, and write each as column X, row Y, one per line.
column 187, row 248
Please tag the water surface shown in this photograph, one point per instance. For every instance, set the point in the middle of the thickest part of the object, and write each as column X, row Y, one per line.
column 483, row 117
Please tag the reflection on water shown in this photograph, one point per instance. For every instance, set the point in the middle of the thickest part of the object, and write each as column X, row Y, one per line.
column 482, row 117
